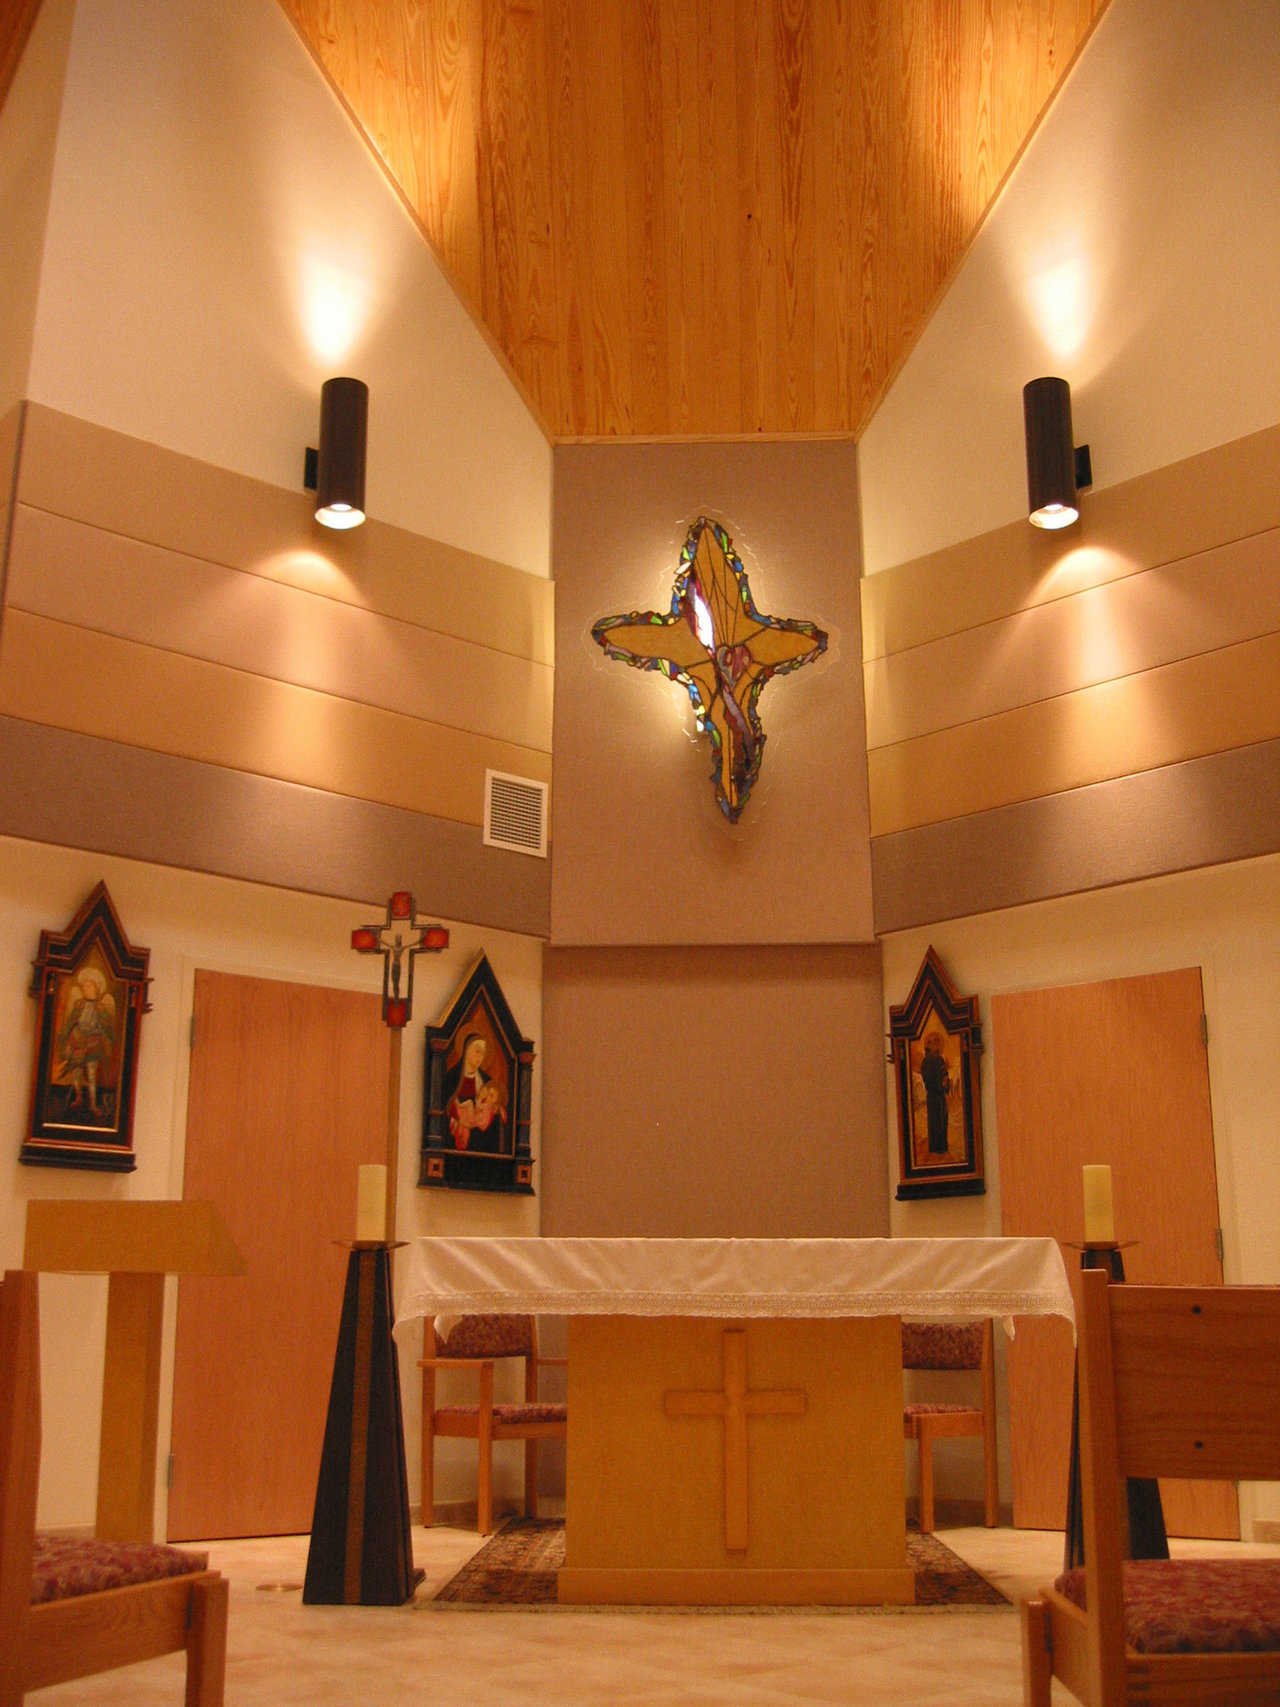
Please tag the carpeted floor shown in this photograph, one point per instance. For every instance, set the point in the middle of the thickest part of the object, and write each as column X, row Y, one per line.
column 518, row 1568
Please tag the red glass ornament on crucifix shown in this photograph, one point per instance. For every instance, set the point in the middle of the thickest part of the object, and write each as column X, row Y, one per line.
column 398, row 939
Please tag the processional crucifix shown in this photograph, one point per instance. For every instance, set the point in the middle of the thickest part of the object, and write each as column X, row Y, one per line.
column 361, row 1553
column 736, row 1403
column 398, row 939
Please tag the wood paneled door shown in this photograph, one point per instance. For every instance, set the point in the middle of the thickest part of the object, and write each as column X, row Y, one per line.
column 288, row 1095
column 1113, row 1072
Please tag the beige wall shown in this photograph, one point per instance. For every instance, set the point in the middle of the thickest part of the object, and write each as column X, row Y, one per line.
column 1075, row 765
column 251, row 729
column 643, row 853
column 187, row 921
column 1132, row 252
column 711, row 992
column 254, row 695
column 29, row 118
column 220, row 241
column 713, row 1092
column 1222, row 919
column 1053, row 712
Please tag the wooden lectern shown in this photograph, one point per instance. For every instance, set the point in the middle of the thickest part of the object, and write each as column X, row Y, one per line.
column 137, row 1244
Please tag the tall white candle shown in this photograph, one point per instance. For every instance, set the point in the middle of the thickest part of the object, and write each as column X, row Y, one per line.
column 371, row 1202
column 1099, row 1219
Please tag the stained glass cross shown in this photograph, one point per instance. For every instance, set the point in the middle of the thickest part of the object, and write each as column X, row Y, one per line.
column 720, row 648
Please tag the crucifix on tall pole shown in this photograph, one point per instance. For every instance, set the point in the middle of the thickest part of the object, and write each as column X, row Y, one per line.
column 398, row 939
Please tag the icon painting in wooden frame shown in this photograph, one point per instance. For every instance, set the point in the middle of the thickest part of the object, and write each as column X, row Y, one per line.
column 936, row 1044
column 91, row 984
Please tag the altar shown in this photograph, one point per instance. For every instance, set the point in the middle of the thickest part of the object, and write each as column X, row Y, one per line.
column 735, row 1405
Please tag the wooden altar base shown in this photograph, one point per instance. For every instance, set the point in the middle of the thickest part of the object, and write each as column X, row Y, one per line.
column 734, row 1462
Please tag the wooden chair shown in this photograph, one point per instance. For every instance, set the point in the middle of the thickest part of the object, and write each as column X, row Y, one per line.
column 476, row 1343
column 71, row 1608
column 960, row 1346
column 1174, row 1381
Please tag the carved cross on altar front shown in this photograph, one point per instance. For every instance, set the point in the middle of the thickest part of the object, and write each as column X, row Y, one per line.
column 736, row 1404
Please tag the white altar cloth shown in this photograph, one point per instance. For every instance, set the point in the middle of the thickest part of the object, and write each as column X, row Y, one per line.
column 943, row 1279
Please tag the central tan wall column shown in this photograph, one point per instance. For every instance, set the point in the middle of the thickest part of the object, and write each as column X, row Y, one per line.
column 712, row 1051
column 713, row 1092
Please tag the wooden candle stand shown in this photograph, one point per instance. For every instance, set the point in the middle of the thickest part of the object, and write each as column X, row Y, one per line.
column 361, row 1551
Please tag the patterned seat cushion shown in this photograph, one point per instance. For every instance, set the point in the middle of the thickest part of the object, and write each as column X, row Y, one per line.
column 68, row 1565
column 541, row 1413
column 488, row 1336
column 1195, row 1606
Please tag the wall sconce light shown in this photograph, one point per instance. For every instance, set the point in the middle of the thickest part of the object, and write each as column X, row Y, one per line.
column 1056, row 468
column 336, row 472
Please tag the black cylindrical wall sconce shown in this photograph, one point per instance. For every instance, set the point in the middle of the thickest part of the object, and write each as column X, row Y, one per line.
column 344, row 418
column 1051, row 456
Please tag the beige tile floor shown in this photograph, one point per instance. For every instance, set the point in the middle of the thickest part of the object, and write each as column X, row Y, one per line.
column 281, row 1652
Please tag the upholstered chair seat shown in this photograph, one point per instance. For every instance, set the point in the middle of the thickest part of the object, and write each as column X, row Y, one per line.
column 1194, row 1606
column 64, row 1565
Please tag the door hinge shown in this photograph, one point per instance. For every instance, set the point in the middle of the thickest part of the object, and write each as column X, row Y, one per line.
column 1204, row 1029
column 1219, row 1245
column 191, row 1035
column 169, row 1471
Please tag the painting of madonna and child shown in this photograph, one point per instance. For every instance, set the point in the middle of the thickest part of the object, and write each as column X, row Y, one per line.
column 476, row 1122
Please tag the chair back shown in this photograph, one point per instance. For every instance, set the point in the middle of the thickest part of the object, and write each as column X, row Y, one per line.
column 488, row 1336
column 1181, row 1380
column 19, row 1466
column 943, row 1345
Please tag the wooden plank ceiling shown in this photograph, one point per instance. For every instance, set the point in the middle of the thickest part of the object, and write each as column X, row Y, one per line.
column 692, row 217
column 689, row 217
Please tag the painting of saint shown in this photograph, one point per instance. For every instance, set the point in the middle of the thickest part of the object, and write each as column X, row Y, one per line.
column 936, row 1077
column 85, row 1065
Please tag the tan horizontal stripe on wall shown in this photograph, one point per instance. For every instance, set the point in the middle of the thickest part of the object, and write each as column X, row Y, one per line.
column 81, row 791
column 1204, row 501
column 1201, row 705
column 1203, row 812
column 187, row 605
column 54, row 673
column 1198, row 604
column 128, row 486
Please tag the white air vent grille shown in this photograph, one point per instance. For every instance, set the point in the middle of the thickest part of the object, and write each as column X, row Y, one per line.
column 515, row 813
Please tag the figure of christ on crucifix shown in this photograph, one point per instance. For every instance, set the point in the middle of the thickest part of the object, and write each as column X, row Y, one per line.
column 736, row 1404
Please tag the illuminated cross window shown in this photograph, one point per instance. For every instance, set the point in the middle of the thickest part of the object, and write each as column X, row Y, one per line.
column 718, row 646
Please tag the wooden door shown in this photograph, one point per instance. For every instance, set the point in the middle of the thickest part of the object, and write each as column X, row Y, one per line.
column 288, row 1095
column 1114, row 1072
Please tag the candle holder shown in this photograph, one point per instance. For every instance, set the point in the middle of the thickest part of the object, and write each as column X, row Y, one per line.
column 361, row 1551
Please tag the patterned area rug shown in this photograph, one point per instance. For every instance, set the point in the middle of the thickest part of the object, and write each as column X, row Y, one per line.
column 517, row 1568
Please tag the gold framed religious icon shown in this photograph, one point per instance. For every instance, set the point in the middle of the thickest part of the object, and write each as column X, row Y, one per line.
column 479, row 1076
column 91, row 984
column 936, row 1043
